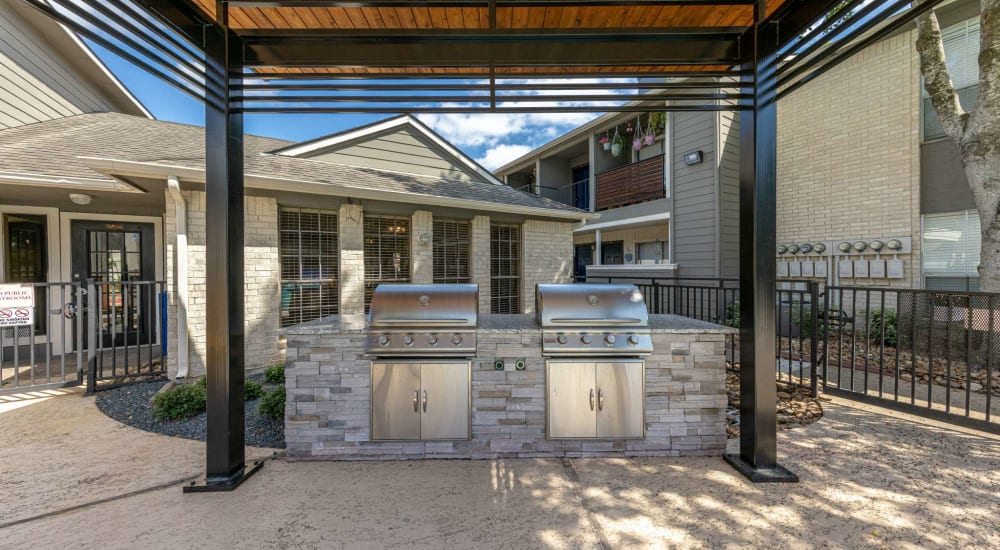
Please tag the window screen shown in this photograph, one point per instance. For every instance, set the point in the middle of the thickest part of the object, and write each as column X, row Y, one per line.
column 387, row 252
column 653, row 253
column 951, row 244
column 451, row 251
column 505, row 269
column 309, row 253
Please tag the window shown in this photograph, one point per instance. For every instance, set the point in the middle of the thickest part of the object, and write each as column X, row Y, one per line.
column 505, row 268
column 451, row 251
column 653, row 253
column 951, row 250
column 961, row 50
column 387, row 252
column 309, row 252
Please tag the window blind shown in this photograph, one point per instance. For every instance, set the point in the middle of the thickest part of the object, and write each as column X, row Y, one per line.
column 386, row 250
column 309, row 252
column 505, row 268
column 951, row 244
column 451, row 251
column 961, row 50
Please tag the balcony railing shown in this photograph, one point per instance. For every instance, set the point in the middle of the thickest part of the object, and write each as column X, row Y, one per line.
column 630, row 184
column 576, row 194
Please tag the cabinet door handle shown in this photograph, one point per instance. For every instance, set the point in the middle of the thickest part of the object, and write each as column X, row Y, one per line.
column 591, row 398
column 416, row 400
column 425, row 400
column 600, row 400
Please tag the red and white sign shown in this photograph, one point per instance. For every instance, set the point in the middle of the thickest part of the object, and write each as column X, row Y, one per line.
column 17, row 305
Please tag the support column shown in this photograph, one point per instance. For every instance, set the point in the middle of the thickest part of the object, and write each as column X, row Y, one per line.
column 352, row 259
column 479, row 256
column 422, row 247
column 758, row 459
column 225, row 437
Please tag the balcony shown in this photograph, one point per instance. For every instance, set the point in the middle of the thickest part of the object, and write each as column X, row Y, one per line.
column 630, row 184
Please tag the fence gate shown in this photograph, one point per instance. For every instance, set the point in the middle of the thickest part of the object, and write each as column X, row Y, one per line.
column 101, row 333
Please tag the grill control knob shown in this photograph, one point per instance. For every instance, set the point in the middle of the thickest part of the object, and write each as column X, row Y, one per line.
column 432, row 340
column 610, row 339
column 456, row 339
column 408, row 340
column 585, row 339
column 383, row 340
column 634, row 340
column 561, row 338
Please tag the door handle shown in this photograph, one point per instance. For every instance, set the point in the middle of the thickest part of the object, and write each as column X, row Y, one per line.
column 600, row 400
column 591, row 398
column 416, row 401
column 425, row 400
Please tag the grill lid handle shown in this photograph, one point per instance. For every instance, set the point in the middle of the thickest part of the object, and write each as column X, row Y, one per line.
column 591, row 321
column 420, row 321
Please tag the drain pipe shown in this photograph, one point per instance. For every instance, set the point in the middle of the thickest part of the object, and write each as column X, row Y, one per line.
column 181, row 252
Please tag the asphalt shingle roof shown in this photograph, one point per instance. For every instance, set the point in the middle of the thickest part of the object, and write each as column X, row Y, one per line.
column 54, row 148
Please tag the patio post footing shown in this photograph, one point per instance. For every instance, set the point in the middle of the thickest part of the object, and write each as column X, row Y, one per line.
column 775, row 474
column 230, row 484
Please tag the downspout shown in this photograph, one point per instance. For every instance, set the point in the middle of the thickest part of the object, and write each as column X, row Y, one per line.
column 180, row 223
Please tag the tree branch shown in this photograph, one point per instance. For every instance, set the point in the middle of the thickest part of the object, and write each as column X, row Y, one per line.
column 937, row 81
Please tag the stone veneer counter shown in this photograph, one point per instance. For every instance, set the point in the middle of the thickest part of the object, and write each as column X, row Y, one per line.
column 328, row 384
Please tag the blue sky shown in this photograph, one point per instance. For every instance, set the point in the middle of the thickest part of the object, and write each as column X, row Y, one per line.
column 491, row 139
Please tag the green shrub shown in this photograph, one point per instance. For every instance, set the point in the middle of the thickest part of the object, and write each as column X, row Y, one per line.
column 876, row 319
column 273, row 403
column 179, row 403
column 732, row 315
column 275, row 374
column 251, row 389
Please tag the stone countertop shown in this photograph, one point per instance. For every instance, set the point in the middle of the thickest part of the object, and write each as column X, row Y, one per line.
column 358, row 324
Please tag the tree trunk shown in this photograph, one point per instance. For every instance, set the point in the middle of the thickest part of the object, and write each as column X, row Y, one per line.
column 984, row 178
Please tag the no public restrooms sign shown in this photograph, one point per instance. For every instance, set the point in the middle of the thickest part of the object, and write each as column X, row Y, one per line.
column 17, row 305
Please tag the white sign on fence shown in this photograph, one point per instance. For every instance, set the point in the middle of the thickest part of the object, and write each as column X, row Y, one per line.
column 17, row 305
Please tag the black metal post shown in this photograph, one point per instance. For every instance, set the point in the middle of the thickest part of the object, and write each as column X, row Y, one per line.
column 758, row 459
column 225, row 437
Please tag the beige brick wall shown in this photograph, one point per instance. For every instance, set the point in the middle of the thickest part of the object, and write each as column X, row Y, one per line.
column 261, row 283
column 548, row 257
column 848, row 154
column 422, row 253
column 479, row 252
column 352, row 259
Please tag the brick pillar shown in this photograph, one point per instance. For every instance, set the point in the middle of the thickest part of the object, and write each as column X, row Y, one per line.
column 547, row 249
column 479, row 255
column 352, row 259
column 422, row 247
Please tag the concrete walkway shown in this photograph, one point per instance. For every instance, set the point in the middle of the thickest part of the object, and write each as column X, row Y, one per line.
column 869, row 480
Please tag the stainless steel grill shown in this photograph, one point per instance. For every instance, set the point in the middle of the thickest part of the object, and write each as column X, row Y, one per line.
column 593, row 320
column 423, row 320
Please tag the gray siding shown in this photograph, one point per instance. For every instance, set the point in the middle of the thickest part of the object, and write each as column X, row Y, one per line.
column 555, row 179
column 943, row 185
column 35, row 84
column 696, row 206
column 729, row 193
column 399, row 151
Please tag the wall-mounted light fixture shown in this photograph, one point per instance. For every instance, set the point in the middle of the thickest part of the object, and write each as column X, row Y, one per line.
column 424, row 238
column 81, row 199
column 694, row 157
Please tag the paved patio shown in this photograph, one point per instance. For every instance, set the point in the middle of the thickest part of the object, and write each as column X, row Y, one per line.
column 869, row 480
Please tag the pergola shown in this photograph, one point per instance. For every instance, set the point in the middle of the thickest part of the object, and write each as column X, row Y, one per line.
column 501, row 56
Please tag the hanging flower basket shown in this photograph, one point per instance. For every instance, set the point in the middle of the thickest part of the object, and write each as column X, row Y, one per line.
column 605, row 141
column 637, row 141
column 617, row 144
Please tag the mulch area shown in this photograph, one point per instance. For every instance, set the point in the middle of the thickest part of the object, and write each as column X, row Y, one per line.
column 796, row 408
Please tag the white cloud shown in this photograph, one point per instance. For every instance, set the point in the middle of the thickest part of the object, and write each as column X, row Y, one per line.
column 496, row 157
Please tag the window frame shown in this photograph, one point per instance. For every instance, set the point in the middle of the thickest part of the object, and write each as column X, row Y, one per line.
column 327, row 279
column 441, row 247
column 397, row 238
column 501, row 303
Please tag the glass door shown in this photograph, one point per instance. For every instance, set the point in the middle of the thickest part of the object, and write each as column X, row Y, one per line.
column 27, row 261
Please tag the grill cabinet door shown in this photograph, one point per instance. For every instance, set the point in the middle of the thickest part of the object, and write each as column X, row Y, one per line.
column 620, row 411
column 395, row 401
column 570, row 386
column 444, row 394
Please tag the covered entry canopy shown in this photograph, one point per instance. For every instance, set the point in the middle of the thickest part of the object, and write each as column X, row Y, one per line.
column 393, row 56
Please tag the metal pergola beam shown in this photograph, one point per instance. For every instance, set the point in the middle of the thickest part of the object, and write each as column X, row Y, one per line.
column 489, row 50
column 478, row 3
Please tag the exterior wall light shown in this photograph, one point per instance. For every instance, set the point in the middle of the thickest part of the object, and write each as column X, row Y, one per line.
column 860, row 246
column 80, row 198
column 694, row 157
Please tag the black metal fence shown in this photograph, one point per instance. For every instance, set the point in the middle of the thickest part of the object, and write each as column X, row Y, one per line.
column 932, row 353
column 102, row 333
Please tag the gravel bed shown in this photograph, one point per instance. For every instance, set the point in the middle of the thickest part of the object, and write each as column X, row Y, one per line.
column 130, row 405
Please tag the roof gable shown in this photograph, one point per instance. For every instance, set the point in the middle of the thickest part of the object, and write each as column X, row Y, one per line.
column 400, row 144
